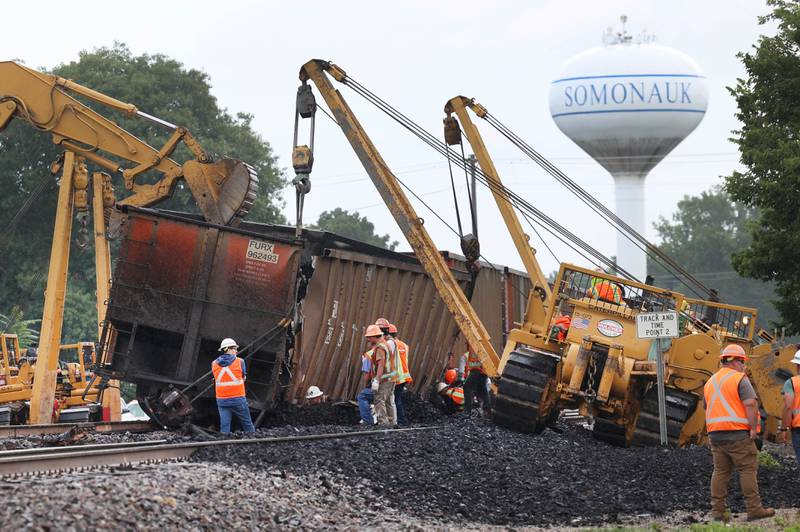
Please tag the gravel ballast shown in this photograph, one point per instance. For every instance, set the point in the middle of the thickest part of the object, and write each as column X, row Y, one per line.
column 466, row 473
column 472, row 471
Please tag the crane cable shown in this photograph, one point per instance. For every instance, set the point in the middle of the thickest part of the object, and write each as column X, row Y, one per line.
column 639, row 240
column 514, row 199
column 521, row 204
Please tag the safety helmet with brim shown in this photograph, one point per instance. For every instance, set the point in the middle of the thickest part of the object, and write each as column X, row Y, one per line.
column 796, row 359
column 733, row 351
column 228, row 342
column 373, row 330
column 313, row 392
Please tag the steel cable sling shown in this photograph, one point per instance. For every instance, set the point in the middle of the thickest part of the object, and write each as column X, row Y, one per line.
column 547, row 223
column 639, row 240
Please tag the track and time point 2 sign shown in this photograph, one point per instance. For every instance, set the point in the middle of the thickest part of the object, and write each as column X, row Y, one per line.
column 653, row 325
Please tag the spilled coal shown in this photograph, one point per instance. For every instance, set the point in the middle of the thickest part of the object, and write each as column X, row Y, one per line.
column 472, row 471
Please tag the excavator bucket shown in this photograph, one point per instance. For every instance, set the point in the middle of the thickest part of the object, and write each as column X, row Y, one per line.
column 224, row 190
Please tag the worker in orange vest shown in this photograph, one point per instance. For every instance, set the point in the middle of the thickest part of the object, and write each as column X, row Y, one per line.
column 791, row 408
column 475, row 382
column 453, row 397
column 732, row 423
column 385, row 362
column 403, row 376
column 229, row 375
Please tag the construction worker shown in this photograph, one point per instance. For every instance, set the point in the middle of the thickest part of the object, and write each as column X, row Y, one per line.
column 732, row 423
column 229, row 376
column 366, row 397
column 791, row 408
column 452, row 396
column 315, row 396
column 476, row 381
column 384, row 355
column 560, row 328
column 606, row 291
column 403, row 377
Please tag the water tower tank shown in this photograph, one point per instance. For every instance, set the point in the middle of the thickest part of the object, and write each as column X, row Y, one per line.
column 628, row 104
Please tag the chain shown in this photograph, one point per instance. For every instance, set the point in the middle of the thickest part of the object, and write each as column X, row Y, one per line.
column 591, row 394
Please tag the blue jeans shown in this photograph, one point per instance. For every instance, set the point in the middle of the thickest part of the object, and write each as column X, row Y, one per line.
column 796, row 443
column 366, row 398
column 234, row 406
column 398, row 403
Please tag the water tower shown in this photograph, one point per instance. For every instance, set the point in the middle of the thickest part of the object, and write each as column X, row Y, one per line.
column 628, row 103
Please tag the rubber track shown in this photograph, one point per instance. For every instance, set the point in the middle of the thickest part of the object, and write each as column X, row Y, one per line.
column 521, row 387
column 680, row 405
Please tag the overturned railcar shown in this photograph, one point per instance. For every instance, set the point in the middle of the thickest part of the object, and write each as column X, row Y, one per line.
column 181, row 284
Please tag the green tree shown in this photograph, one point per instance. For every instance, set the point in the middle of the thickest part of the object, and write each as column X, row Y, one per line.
column 157, row 85
column 769, row 111
column 353, row 225
column 702, row 236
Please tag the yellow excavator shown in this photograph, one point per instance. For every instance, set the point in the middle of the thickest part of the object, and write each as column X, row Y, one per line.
column 599, row 366
column 223, row 189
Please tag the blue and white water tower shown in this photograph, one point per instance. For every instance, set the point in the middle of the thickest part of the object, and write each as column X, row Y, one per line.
column 628, row 104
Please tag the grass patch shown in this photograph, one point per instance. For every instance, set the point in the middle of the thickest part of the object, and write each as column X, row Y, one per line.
column 765, row 459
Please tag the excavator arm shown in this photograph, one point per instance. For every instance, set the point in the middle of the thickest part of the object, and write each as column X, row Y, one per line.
column 224, row 190
column 410, row 223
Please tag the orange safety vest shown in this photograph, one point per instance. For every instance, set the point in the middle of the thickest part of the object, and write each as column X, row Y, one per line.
column 607, row 291
column 561, row 326
column 456, row 394
column 391, row 359
column 796, row 403
column 473, row 363
column 724, row 409
column 402, row 349
column 228, row 380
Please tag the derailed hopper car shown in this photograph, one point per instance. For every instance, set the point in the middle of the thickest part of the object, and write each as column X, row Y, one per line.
column 181, row 284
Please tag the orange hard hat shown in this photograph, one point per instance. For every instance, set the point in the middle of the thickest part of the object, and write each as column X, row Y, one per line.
column 450, row 376
column 373, row 330
column 382, row 323
column 733, row 351
column 392, row 328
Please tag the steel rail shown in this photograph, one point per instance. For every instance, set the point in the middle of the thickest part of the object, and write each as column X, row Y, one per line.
column 19, row 431
column 90, row 456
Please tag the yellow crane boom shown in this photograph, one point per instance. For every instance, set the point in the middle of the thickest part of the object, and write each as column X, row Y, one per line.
column 403, row 212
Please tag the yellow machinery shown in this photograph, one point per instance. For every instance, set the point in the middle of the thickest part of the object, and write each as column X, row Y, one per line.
column 16, row 379
column 79, row 387
column 600, row 367
column 690, row 360
column 224, row 190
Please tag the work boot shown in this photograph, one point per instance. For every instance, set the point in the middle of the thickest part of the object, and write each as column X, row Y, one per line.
column 760, row 513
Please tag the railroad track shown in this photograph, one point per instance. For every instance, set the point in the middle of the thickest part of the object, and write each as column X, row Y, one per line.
column 20, row 431
column 23, row 461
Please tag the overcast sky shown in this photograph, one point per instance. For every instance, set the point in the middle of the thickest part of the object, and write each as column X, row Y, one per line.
column 416, row 55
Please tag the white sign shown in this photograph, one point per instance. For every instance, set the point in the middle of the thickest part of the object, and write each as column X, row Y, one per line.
column 651, row 325
column 262, row 251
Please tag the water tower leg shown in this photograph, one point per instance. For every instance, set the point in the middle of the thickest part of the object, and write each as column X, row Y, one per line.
column 630, row 207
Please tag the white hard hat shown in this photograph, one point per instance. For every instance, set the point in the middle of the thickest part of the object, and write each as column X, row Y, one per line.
column 313, row 392
column 796, row 359
column 226, row 343
column 441, row 386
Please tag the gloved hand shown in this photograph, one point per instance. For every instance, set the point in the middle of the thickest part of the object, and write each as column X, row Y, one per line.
column 374, row 385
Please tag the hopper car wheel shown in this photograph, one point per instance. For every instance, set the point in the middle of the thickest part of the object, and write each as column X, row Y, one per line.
column 525, row 384
column 679, row 406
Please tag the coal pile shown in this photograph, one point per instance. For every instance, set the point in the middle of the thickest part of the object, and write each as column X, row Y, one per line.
column 417, row 410
column 471, row 471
